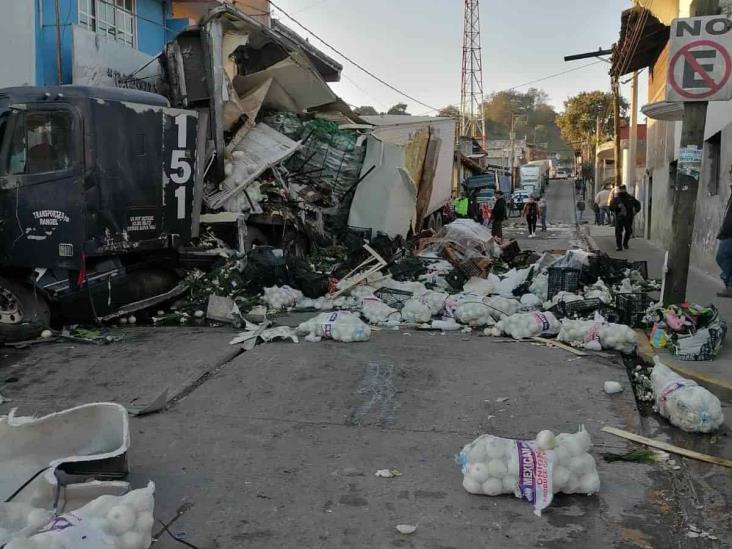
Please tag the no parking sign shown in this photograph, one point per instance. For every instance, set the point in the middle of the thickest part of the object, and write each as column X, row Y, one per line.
column 700, row 64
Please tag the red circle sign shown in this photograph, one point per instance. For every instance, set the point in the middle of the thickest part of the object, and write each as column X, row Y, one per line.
column 713, row 85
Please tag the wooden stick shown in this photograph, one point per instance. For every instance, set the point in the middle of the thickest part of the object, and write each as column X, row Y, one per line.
column 559, row 344
column 653, row 443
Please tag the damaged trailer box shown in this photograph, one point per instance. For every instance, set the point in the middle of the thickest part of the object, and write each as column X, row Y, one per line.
column 406, row 175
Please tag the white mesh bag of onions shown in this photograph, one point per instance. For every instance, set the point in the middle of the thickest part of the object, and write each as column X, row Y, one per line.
column 531, row 469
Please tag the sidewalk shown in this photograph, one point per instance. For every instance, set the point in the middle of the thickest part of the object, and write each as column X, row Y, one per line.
column 715, row 375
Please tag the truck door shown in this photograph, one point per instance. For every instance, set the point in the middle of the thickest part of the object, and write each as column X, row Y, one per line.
column 41, row 192
column 179, row 170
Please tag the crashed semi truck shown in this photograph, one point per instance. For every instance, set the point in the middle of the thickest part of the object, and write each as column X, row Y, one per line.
column 106, row 193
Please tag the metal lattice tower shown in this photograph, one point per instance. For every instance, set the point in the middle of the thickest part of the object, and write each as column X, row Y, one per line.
column 472, row 121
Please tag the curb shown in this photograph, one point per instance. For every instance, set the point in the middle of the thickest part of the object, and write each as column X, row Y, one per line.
column 584, row 233
column 720, row 387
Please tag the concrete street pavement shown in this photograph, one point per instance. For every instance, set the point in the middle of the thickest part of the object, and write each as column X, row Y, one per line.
column 278, row 447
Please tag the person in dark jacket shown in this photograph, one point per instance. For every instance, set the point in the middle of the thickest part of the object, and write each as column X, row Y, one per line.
column 724, row 251
column 500, row 214
column 624, row 207
column 475, row 212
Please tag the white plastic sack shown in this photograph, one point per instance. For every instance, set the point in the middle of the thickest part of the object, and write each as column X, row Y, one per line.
column 530, row 302
column 434, row 300
column 414, row 311
column 474, row 313
column 502, row 307
column 540, row 286
column 684, row 403
column 339, row 325
column 362, row 291
column 482, row 286
column 532, row 469
column 599, row 290
column 378, row 312
column 526, row 325
column 108, row 522
column 512, row 280
column 598, row 334
column 573, row 259
column 618, row 337
column 281, row 298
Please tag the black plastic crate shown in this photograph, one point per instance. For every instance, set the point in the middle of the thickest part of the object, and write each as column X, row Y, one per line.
column 632, row 308
column 563, row 280
column 510, row 251
column 393, row 298
column 583, row 308
column 641, row 267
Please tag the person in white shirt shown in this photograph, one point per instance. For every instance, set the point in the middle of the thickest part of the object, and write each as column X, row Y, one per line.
column 602, row 199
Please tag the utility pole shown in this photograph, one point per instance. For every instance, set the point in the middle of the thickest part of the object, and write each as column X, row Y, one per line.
column 472, row 118
column 597, row 159
column 616, row 124
column 686, row 187
column 633, row 138
column 59, row 68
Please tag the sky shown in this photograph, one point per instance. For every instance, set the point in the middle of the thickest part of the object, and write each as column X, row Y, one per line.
column 416, row 45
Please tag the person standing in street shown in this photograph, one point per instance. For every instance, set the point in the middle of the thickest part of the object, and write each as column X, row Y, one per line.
column 596, row 209
column 531, row 212
column 579, row 210
column 624, row 207
column 475, row 211
column 602, row 200
column 499, row 215
column 460, row 205
column 542, row 213
column 724, row 251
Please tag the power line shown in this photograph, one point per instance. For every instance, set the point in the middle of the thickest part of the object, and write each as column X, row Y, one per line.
column 555, row 75
column 351, row 61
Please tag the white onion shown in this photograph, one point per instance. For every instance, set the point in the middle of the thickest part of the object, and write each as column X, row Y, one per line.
column 497, row 468
column 545, row 440
column 493, row 487
column 479, row 472
column 471, row 486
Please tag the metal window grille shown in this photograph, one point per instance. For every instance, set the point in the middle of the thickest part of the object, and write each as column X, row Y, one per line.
column 112, row 18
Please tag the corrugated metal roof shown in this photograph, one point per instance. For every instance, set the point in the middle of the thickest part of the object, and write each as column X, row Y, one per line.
column 400, row 119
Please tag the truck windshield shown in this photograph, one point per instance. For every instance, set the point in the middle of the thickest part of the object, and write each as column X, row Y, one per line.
column 35, row 141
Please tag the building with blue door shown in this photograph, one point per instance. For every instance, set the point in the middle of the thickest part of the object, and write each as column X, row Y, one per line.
column 87, row 42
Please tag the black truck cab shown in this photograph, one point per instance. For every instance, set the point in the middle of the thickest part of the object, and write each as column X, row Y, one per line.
column 90, row 177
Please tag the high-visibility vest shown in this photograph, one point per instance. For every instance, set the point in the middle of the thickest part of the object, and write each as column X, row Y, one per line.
column 461, row 206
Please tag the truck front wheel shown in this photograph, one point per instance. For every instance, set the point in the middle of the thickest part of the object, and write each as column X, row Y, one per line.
column 24, row 314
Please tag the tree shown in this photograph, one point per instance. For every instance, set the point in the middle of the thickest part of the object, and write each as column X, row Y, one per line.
column 451, row 111
column 578, row 122
column 399, row 108
column 365, row 110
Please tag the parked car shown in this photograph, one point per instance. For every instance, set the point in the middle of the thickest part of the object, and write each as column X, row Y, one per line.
column 562, row 174
column 518, row 198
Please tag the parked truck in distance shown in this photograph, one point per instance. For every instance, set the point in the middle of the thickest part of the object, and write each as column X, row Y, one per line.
column 534, row 177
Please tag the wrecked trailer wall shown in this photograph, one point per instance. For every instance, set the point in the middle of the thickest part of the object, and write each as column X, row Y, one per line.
column 141, row 189
column 396, row 160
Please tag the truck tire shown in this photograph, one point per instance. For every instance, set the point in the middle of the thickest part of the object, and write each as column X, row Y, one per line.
column 24, row 313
